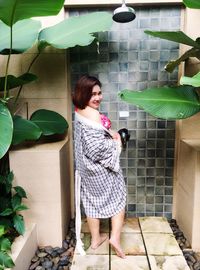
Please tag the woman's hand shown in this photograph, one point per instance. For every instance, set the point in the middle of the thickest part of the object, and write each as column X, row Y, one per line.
column 115, row 135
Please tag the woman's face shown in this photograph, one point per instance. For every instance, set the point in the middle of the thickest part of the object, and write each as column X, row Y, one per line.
column 96, row 97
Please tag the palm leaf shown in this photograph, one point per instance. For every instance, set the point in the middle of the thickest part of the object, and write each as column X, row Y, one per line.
column 178, row 37
column 75, row 30
column 171, row 65
column 165, row 102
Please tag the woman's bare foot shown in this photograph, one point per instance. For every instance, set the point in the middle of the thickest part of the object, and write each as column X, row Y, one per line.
column 96, row 244
column 116, row 246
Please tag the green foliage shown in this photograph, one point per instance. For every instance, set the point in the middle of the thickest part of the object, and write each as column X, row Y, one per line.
column 49, row 122
column 192, row 3
column 13, row 11
column 171, row 102
column 11, row 222
column 194, row 81
column 5, row 260
column 24, row 35
column 165, row 102
column 6, row 125
column 18, row 33
column 81, row 30
column 24, row 130
column 177, row 36
column 181, row 38
column 19, row 224
column 13, row 81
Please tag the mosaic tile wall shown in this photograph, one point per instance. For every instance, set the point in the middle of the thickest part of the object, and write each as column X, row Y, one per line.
column 128, row 58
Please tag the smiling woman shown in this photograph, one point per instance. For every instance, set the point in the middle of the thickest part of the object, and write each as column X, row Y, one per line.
column 99, row 179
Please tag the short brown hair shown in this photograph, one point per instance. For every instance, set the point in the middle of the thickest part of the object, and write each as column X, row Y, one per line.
column 83, row 91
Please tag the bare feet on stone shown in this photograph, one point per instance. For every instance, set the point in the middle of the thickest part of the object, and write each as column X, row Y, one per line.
column 117, row 248
column 96, row 244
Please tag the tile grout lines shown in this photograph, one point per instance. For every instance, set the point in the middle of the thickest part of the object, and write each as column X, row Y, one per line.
column 144, row 245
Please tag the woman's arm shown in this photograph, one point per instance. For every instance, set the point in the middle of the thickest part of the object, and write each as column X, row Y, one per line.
column 100, row 148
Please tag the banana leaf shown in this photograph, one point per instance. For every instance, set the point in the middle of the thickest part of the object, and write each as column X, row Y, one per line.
column 192, row 3
column 13, row 81
column 171, row 65
column 165, row 102
column 16, row 10
column 6, row 129
column 75, row 30
column 49, row 122
column 25, row 34
column 193, row 81
column 24, row 130
column 178, row 37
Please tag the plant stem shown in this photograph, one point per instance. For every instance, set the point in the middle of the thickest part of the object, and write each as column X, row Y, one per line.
column 6, row 91
column 20, row 89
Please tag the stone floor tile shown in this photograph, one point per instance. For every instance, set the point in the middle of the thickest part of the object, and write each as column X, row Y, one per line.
column 90, row 262
column 155, row 224
column 161, row 244
column 132, row 244
column 130, row 263
column 131, row 225
column 104, row 226
column 103, row 249
column 168, row 263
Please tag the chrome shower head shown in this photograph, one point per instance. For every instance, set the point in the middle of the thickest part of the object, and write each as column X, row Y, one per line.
column 124, row 14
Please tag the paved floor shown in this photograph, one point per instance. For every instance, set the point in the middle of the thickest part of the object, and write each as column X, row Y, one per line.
column 148, row 242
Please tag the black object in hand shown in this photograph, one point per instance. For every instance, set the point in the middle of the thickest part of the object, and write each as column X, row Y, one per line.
column 125, row 136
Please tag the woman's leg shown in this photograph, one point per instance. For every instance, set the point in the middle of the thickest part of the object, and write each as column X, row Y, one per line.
column 117, row 223
column 97, row 238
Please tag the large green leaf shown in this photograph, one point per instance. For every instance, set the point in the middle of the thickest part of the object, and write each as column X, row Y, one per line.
column 13, row 81
column 192, row 3
column 6, row 129
column 178, row 37
column 25, row 34
column 76, row 30
column 174, row 63
column 6, row 260
column 165, row 102
column 50, row 122
column 24, row 130
column 16, row 10
column 194, row 81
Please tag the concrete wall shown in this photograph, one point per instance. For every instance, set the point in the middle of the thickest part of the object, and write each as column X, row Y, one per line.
column 186, row 173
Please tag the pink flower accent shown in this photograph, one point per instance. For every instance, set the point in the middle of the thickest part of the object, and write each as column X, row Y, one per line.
column 105, row 121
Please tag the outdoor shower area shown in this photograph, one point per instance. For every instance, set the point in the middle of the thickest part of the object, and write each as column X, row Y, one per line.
column 127, row 58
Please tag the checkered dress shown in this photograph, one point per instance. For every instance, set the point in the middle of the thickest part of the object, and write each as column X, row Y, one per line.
column 102, row 186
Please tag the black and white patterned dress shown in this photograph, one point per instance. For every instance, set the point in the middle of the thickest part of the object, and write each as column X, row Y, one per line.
column 102, row 187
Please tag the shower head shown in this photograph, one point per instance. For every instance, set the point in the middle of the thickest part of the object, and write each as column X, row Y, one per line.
column 124, row 14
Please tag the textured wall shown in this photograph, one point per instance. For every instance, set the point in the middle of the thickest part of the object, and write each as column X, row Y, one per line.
column 130, row 59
